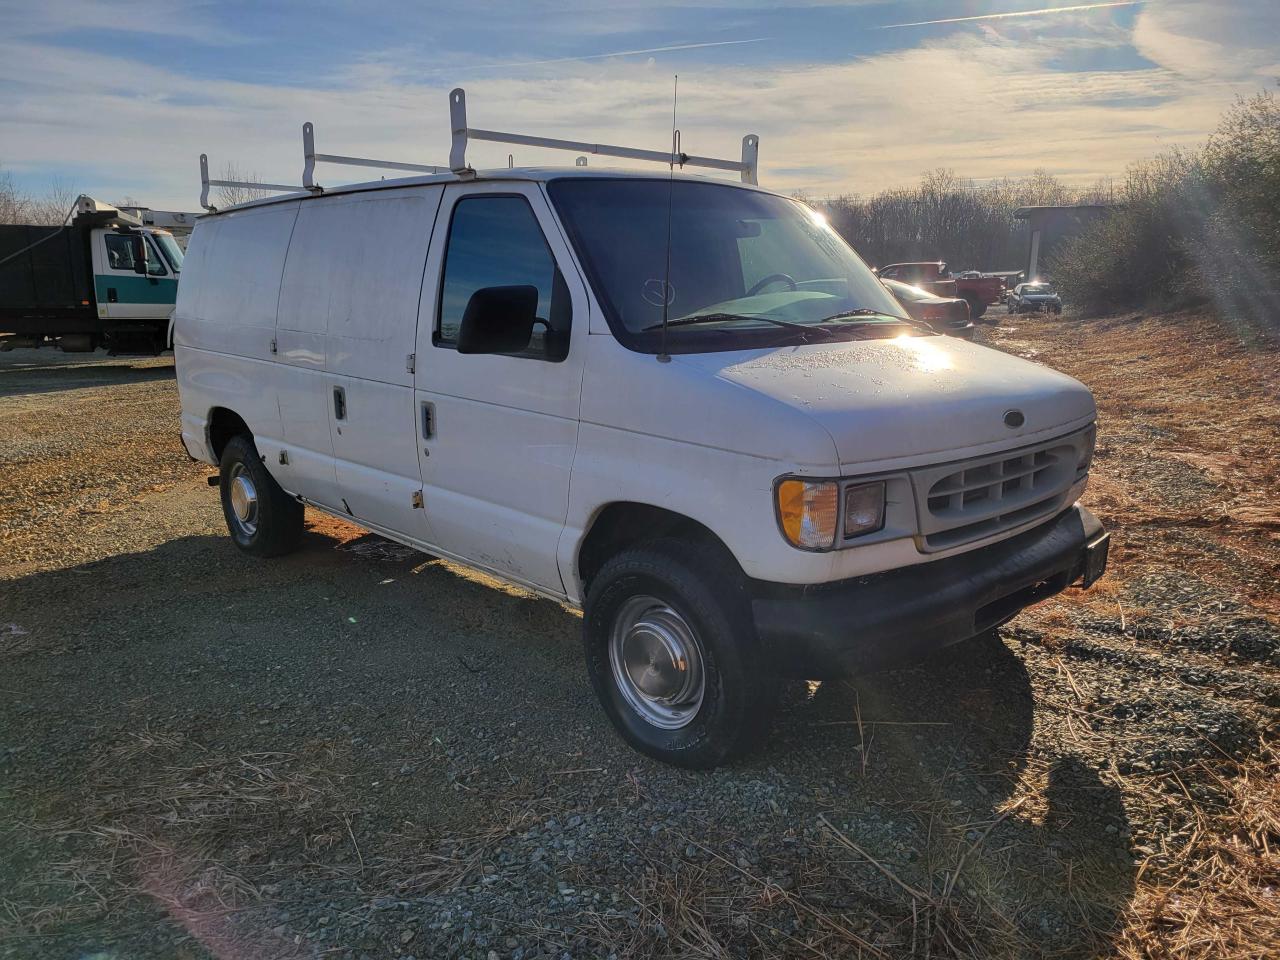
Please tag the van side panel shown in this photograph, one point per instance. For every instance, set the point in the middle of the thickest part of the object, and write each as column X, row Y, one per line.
column 353, row 278
column 224, row 324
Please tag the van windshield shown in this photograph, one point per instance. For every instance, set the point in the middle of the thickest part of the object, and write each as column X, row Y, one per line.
column 748, row 269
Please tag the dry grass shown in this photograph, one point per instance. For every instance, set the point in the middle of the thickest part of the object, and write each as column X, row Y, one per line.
column 196, row 836
column 1217, row 897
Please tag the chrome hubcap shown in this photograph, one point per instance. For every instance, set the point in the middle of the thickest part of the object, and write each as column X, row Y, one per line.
column 244, row 499
column 657, row 662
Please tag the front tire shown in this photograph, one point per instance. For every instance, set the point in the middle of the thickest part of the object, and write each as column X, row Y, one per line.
column 262, row 519
column 673, row 656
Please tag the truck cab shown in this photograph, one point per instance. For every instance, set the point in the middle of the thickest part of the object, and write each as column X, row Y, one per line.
column 127, row 289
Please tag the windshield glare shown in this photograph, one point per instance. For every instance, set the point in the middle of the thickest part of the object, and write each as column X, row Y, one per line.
column 760, row 263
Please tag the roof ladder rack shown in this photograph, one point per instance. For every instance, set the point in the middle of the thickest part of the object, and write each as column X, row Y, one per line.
column 311, row 158
column 747, row 166
column 206, row 183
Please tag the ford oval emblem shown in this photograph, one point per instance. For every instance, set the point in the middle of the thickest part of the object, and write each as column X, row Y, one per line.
column 1013, row 419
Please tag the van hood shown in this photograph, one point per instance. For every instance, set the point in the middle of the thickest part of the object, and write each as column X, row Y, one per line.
column 910, row 398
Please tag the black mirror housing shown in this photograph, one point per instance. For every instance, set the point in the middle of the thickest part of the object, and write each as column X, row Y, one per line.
column 499, row 320
column 139, row 253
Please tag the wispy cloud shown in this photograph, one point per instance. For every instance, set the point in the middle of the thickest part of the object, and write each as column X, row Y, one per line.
column 624, row 53
column 1042, row 11
column 1064, row 101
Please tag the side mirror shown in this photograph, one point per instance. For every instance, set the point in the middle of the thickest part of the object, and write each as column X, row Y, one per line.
column 498, row 320
column 139, row 244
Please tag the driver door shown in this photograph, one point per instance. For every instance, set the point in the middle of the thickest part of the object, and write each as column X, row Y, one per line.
column 121, row 292
column 497, row 432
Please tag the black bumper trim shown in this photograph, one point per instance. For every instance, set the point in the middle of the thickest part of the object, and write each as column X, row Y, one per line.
column 893, row 617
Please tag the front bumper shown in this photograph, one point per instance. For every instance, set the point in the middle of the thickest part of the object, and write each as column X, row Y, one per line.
column 888, row 618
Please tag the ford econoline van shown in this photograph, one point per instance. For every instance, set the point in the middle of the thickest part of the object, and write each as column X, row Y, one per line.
column 682, row 405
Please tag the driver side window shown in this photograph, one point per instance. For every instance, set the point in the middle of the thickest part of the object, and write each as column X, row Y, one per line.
column 120, row 249
column 495, row 241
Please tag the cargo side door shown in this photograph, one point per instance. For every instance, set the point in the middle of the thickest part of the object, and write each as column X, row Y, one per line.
column 497, row 431
column 355, row 273
column 120, row 292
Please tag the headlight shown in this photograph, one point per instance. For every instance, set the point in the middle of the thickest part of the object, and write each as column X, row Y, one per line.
column 863, row 509
column 807, row 512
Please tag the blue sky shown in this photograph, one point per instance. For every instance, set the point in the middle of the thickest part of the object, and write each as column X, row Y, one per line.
column 118, row 99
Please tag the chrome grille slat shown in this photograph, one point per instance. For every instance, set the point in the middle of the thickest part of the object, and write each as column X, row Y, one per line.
column 969, row 500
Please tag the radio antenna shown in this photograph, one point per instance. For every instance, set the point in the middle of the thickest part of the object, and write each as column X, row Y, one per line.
column 663, row 356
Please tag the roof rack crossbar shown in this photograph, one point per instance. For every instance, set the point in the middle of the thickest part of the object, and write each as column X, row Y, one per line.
column 311, row 158
column 462, row 133
column 206, row 183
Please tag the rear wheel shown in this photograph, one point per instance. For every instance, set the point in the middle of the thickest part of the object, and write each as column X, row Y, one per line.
column 262, row 519
column 673, row 656
column 976, row 307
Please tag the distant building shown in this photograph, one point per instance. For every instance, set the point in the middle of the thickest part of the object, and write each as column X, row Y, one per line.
column 1049, row 226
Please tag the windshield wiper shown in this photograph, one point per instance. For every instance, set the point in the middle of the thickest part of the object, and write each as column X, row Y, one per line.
column 868, row 312
column 727, row 317
column 865, row 312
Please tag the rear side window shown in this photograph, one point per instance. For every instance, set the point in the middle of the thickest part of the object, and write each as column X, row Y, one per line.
column 495, row 241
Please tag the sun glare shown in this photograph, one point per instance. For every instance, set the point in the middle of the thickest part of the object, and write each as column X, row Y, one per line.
column 928, row 356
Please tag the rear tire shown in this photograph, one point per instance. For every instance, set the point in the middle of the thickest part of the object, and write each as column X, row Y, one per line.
column 673, row 655
column 262, row 519
column 976, row 308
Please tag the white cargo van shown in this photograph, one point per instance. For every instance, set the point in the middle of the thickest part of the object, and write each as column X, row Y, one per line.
column 729, row 448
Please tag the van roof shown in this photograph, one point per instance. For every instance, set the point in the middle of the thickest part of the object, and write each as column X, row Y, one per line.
column 526, row 174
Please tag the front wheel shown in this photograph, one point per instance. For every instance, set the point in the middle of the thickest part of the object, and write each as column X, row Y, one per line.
column 262, row 519
column 673, row 656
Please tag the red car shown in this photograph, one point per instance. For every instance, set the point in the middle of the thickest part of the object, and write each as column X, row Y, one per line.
column 932, row 275
column 949, row 315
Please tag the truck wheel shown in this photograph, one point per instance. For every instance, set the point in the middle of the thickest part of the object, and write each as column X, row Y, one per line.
column 976, row 307
column 673, row 656
column 263, row 520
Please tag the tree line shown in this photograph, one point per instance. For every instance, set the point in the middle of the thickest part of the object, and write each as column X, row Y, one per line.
column 947, row 217
column 1191, row 227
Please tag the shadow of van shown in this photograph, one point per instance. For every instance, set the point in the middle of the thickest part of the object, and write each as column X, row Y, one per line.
column 1026, row 843
column 352, row 641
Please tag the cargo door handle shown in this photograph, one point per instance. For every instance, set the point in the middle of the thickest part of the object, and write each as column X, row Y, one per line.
column 428, row 420
column 339, row 403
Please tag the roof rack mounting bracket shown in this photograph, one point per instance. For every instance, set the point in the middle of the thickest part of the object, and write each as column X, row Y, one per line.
column 310, row 158
column 206, row 183
column 747, row 167
column 462, row 133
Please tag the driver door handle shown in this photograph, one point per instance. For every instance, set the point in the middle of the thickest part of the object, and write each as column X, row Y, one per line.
column 339, row 403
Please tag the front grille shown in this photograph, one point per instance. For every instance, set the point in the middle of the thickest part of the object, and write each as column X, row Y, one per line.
column 959, row 503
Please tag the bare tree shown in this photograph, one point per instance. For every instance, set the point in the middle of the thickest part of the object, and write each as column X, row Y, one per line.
column 53, row 207
column 49, row 209
column 230, row 196
column 13, row 202
column 945, row 217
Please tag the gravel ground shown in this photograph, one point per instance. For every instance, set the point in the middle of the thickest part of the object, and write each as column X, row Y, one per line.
column 359, row 751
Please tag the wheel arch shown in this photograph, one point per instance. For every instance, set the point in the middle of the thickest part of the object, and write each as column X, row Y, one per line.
column 222, row 424
column 621, row 524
